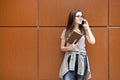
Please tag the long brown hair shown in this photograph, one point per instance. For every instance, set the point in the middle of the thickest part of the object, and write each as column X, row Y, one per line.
column 70, row 24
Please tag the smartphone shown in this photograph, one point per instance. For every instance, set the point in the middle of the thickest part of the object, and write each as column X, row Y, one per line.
column 83, row 22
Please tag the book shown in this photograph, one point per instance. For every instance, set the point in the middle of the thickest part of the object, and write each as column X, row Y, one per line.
column 75, row 36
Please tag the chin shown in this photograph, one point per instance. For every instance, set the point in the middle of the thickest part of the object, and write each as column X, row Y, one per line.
column 80, row 23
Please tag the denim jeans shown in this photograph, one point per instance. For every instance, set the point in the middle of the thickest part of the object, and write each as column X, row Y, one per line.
column 70, row 75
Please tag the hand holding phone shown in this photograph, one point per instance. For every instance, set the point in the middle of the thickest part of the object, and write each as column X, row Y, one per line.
column 85, row 23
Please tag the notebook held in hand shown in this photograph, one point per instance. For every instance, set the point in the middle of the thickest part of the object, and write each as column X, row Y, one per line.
column 74, row 36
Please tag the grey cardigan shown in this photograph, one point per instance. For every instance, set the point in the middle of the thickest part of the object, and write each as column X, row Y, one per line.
column 64, row 67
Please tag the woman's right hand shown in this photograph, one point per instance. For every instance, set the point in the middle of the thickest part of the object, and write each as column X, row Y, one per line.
column 68, row 48
column 73, row 45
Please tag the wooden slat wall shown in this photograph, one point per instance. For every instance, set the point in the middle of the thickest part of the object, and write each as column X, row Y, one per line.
column 18, row 13
column 30, row 38
column 114, row 12
column 18, row 54
column 98, row 54
column 114, row 50
column 55, row 12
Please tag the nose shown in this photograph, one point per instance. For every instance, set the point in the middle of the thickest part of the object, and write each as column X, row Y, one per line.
column 81, row 18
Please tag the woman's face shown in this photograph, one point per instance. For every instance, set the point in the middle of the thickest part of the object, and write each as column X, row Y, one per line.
column 78, row 18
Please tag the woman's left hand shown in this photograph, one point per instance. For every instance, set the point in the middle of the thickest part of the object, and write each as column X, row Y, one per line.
column 85, row 25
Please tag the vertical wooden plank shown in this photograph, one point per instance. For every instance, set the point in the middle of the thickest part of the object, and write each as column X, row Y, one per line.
column 50, row 56
column 98, row 54
column 55, row 12
column 18, row 54
column 114, row 50
column 114, row 13
column 18, row 13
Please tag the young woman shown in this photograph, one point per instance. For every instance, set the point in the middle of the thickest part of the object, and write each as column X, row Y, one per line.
column 75, row 64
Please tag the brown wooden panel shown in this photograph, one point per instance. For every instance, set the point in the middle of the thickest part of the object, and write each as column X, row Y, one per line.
column 55, row 12
column 114, row 53
column 50, row 56
column 114, row 12
column 18, row 13
column 98, row 54
column 18, row 54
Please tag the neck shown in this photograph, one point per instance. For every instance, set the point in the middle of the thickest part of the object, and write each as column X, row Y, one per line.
column 76, row 26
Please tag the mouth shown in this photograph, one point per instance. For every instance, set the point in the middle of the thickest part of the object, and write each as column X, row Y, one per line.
column 81, row 21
